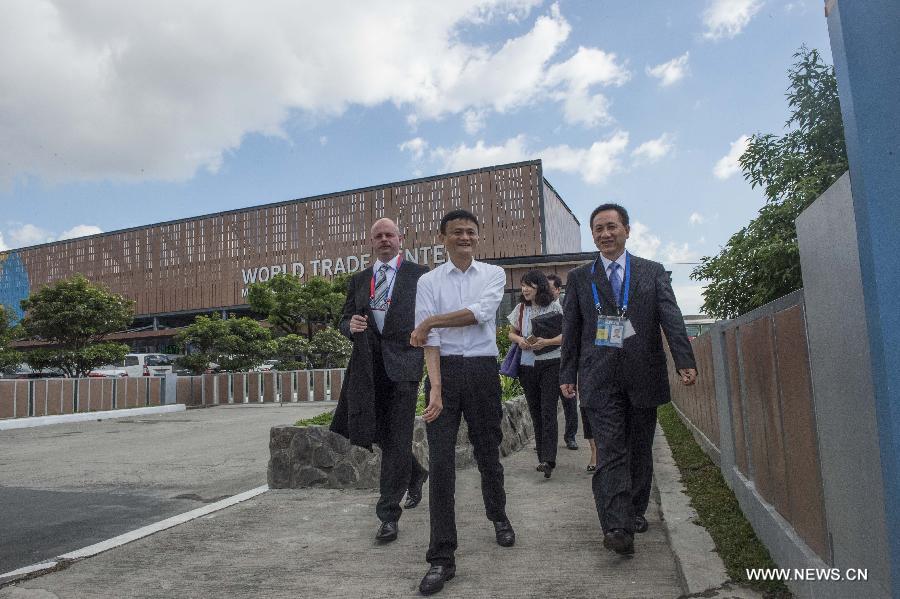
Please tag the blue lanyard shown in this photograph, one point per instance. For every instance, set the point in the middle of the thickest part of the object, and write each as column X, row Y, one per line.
column 625, row 285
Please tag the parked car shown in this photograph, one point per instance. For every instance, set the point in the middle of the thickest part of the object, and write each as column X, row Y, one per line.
column 136, row 365
column 110, row 370
column 24, row 371
column 267, row 366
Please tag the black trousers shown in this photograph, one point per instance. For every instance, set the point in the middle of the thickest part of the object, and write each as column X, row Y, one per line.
column 470, row 387
column 570, row 410
column 624, row 437
column 541, row 385
column 395, row 413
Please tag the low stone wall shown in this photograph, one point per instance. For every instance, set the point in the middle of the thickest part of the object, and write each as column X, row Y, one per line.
column 313, row 456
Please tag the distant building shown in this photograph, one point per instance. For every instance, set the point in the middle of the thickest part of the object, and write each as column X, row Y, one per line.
column 175, row 270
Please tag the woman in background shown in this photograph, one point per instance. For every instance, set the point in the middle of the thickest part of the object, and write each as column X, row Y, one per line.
column 538, row 373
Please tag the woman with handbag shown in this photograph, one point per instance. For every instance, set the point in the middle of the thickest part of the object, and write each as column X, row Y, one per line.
column 538, row 312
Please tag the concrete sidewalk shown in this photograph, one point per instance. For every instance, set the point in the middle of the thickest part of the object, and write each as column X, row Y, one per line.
column 319, row 543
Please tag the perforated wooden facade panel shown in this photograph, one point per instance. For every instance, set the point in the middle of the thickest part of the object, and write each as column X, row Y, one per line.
column 206, row 262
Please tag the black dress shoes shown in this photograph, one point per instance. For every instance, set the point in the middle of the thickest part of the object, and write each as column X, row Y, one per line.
column 546, row 468
column 571, row 444
column 435, row 578
column 387, row 532
column 414, row 493
column 619, row 541
column 640, row 524
column 506, row 536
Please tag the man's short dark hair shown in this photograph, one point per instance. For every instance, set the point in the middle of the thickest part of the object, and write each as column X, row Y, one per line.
column 458, row 214
column 623, row 214
column 556, row 280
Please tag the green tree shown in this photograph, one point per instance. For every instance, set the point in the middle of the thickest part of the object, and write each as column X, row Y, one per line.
column 330, row 349
column 234, row 344
column 295, row 307
column 74, row 316
column 292, row 352
column 9, row 358
column 761, row 262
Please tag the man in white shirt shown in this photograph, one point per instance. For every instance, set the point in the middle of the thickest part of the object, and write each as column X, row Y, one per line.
column 456, row 306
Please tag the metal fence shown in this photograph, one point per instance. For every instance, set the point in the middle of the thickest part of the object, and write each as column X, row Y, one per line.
column 52, row 397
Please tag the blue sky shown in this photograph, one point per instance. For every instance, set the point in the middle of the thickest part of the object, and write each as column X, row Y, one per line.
column 119, row 114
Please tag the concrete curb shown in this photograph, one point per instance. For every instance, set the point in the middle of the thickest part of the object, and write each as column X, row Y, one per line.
column 33, row 421
column 700, row 566
column 66, row 559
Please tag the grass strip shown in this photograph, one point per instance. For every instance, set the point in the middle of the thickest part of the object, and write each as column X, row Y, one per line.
column 323, row 419
column 717, row 508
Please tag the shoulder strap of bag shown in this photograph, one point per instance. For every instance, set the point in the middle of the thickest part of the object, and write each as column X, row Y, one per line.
column 521, row 310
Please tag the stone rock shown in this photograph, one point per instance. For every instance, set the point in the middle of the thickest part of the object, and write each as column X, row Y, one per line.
column 344, row 476
column 323, row 457
column 307, row 476
column 338, row 443
column 280, row 437
column 465, row 456
column 420, row 435
column 279, row 471
column 301, row 447
column 370, row 474
column 314, row 456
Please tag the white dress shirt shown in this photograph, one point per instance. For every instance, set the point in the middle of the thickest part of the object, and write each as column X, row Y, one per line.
column 447, row 289
column 391, row 276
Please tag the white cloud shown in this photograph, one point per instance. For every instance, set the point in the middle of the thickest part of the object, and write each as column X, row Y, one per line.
column 3, row 246
column 80, row 231
column 641, row 242
column 148, row 97
column 727, row 18
column 416, row 146
column 696, row 218
column 323, row 140
column 679, row 253
column 653, row 150
column 689, row 298
column 463, row 157
column 473, row 121
column 672, row 71
column 594, row 164
column 728, row 165
column 575, row 77
column 28, row 234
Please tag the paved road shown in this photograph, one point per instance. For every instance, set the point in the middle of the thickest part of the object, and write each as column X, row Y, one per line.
column 66, row 486
column 319, row 543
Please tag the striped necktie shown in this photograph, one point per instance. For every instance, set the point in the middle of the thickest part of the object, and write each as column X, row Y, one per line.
column 380, row 301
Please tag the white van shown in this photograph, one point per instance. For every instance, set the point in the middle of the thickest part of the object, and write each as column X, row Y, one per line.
column 147, row 364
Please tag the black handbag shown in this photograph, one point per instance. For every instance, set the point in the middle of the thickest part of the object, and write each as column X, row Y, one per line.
column 547, row 326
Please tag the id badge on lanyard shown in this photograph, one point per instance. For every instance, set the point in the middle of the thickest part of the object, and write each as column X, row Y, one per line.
column 612, row 331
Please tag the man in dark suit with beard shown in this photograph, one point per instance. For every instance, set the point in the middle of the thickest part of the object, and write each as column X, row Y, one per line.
column 380, row 305
column 612, row 348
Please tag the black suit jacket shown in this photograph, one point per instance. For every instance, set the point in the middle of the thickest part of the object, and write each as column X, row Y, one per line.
column 355, row 416
column 639, row 367
column 402, row 362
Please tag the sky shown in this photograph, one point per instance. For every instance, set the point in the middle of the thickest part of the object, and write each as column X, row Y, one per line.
column 116, row 114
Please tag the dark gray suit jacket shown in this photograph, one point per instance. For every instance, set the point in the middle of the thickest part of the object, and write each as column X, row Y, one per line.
column 639, row 367
column 402, row 362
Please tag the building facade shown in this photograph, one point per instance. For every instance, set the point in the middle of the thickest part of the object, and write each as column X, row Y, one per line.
column 175, row 270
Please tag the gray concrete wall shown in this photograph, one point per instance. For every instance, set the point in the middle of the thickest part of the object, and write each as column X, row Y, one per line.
column 842, row 385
